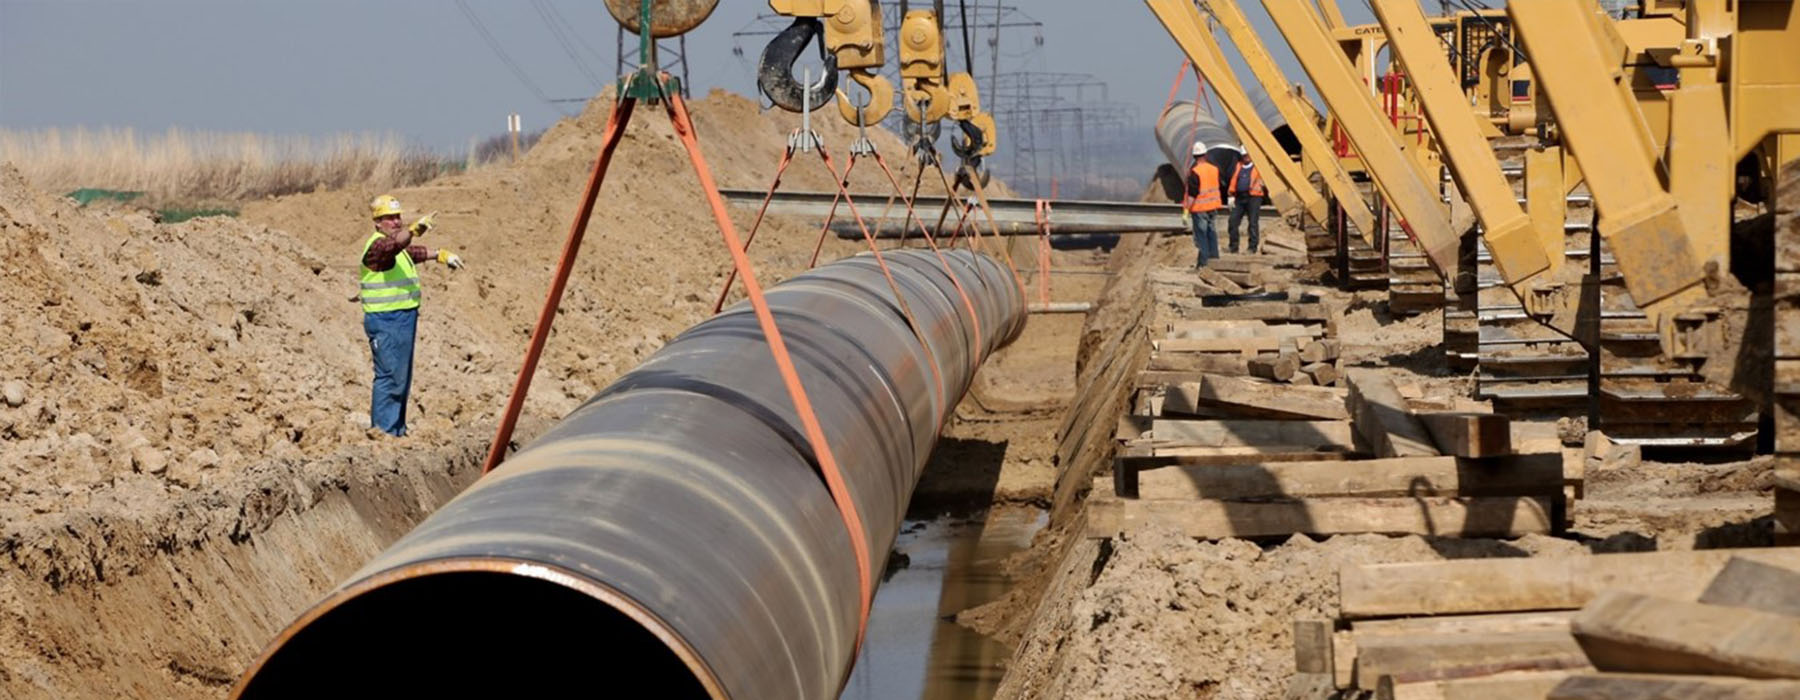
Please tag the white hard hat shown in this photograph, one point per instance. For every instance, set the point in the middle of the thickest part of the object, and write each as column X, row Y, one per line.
column 1199, row 148
column 1239, row 148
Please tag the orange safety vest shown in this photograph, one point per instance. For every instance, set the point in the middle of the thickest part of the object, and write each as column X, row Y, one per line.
column 1256, row 181
column 1209, row 197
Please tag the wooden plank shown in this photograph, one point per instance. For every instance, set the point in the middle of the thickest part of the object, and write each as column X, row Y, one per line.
column 1322, row 373
column 1465, row 624
column 1469, row 434
column 1253, row 433
column 1241, row 454
column 1319, row 351
column 1267, row 311
column 1275, row 367
column 1228, row 365
column 1637, row 633
column 1247, row 346
column 1132, row 427
column 1434, row 657
column 1619, row 686
column 1153, row 457
column 1380, row 416
column 1465, row 517
column 1744, row 583
column 1374, row 478
column 1215, row 279
column 1256, row 399
column 1502, row 585
column 1513, row 685
column 1241, row 329
column 1312, row 647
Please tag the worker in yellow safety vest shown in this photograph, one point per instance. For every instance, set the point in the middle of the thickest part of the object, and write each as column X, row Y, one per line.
column 1247, row 194
column 1203, row 197
column 390, row 301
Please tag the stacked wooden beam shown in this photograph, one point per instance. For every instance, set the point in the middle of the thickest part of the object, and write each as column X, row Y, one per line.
column 1223, row 441
column 1579, row 628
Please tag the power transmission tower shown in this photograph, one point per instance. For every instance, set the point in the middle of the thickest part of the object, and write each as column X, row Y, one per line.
column 671, row 56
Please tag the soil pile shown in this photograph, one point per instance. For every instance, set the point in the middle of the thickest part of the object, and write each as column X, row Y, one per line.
column 175, row 353
column 185, row 352
column 652, row 263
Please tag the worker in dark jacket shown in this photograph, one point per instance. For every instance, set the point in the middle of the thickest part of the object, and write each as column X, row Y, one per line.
column 1203, row 197
column 390, row 301
column 1247, row 195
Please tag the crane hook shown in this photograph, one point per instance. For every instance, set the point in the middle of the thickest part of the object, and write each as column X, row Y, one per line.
column 776, row 73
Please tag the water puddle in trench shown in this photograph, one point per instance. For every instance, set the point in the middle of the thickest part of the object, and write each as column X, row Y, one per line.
column 914, row 648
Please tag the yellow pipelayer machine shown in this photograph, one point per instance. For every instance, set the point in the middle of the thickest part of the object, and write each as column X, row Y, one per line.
column 1677, row 121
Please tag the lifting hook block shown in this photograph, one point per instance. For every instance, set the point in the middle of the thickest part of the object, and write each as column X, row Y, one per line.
column 775, row 75
column 881, row 99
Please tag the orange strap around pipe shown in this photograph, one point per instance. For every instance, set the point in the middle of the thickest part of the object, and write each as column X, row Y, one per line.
column 912, row 321
column 615, row 128
column 975, row 349
column 988, row 211
column 731, row 275
column 815, row 434
column 831, row 216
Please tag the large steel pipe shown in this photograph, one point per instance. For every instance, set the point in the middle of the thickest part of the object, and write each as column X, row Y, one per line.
column 674, row 533
column 1184, row 123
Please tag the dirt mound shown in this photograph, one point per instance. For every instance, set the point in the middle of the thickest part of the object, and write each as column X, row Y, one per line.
column 651, row 265
column 185, row 352
column 180, row 352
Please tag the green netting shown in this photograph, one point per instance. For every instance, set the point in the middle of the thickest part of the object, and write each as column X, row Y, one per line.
column 88, row 195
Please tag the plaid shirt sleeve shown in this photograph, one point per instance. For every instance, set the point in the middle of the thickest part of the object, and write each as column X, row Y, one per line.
column 383, row 251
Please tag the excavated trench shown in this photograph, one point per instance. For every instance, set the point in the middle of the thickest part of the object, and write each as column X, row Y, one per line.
column 176, row 598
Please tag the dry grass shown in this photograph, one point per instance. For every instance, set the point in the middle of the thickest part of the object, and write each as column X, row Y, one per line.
column 197, row 166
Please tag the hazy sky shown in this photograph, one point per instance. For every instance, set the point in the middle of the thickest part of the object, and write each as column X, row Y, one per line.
column 420, row 68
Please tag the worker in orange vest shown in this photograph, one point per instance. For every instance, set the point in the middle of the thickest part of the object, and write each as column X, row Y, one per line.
column 1247, row 194
column 1203, row 197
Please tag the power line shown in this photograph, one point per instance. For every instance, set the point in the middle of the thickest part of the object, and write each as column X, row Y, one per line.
column 567, row 47
column 570, row 26
column 510, row 64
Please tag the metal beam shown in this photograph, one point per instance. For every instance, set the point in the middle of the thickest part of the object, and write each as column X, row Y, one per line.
column 1382, row 152
column 1188, row 28
column 1013, row 217
column 1516, row 249
column 1600, row 127
column 1313, row 144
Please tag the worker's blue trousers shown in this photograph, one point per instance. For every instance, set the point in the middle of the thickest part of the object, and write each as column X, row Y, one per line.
column 391, row 343
column 1206, row 238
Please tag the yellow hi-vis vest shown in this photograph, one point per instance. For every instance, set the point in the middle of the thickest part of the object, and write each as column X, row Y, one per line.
column 394, row 289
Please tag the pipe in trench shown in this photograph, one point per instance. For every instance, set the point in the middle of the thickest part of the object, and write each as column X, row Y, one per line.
column 674, row 533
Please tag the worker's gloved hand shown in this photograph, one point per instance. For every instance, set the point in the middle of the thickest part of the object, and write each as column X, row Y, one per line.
column 1187, row 219
column 424, row 224
column 451, row 259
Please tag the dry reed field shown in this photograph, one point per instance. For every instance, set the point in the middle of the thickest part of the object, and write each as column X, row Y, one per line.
column 183, row 166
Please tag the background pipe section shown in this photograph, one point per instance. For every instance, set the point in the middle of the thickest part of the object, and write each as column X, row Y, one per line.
column 1183, row 123
column 673, row 533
